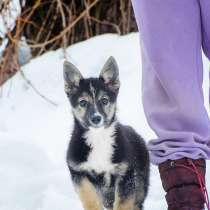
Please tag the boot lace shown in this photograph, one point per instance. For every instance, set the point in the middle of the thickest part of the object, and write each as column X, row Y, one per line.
column 200, row 180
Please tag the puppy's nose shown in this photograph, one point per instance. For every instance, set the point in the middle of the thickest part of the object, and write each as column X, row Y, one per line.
column 96, row 119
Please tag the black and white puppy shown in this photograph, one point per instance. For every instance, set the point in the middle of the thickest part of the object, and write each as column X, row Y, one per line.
column 108, row 162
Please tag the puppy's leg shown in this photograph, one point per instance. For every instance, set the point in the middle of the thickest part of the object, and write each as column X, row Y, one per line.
column 124, row 204
column 125, row 196
column 88, row 195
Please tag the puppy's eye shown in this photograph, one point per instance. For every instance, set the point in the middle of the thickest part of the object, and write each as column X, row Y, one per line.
column 83, row 103
column 105, row 101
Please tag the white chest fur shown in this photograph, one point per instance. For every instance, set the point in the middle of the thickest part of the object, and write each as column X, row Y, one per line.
column 101, row 141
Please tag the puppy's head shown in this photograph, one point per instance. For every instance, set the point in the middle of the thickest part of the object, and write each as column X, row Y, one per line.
column 93, row 100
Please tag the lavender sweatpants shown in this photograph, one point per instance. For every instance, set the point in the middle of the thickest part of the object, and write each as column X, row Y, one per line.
column 172, row 33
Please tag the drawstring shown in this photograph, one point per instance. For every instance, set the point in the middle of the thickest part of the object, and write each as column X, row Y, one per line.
column 200, row 180
column 202, row 184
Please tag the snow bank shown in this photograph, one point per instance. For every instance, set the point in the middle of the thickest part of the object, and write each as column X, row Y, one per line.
column 34, row 133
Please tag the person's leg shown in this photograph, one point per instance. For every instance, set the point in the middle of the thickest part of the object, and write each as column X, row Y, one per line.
column 205, row 25
column 170, row 34
column 172, row 75
column 205, row 20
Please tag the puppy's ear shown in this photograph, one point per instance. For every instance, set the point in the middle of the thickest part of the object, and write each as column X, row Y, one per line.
column 110, row 74
column 72, row 77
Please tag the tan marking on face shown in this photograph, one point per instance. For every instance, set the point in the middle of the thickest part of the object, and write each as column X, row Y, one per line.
column 101, row 94
column 127, row 204
column 93, row 91
column 89, row 196
column 110, row 111
column 85, row 96
column 110, row 108
column 79, row 111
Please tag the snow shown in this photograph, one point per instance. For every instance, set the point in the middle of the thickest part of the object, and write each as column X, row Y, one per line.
column 34, row 133
column 8, row 17
column 7, row 22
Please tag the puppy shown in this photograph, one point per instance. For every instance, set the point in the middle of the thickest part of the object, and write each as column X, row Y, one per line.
column 108, row 162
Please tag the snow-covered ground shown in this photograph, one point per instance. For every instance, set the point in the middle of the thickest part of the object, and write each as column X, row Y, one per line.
column 34, row 133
